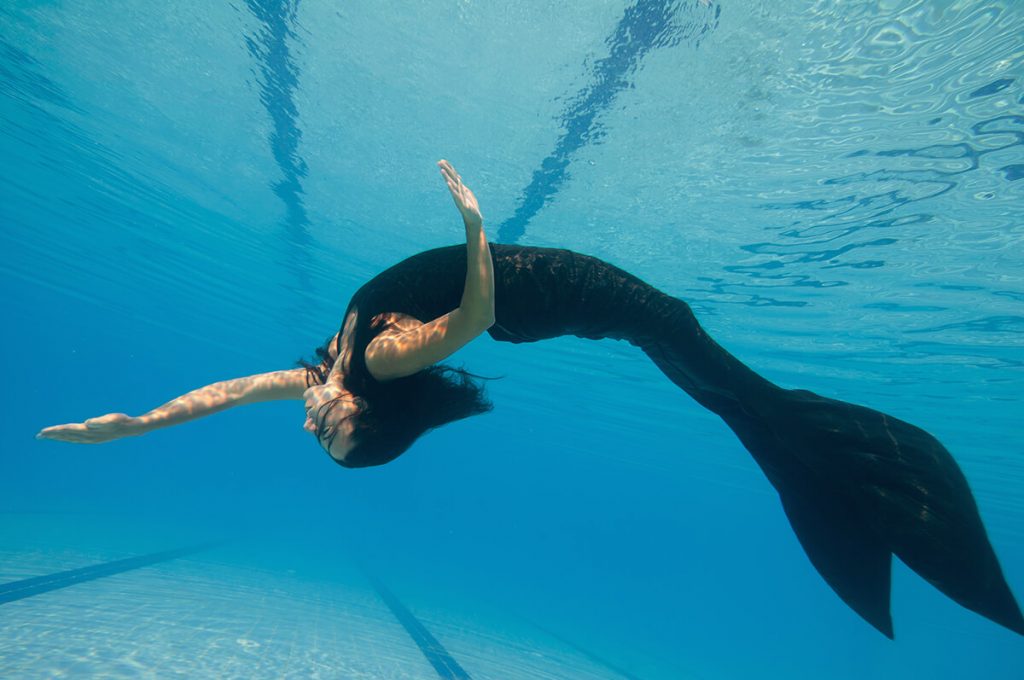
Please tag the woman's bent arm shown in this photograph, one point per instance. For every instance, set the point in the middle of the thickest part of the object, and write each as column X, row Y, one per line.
column 399, row 353
column 289, row 384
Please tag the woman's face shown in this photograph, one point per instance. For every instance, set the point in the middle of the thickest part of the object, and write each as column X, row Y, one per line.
column 328, row 408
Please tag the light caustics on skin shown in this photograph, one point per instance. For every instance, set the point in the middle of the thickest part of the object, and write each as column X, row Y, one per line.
column 645, row 25
column 328, row 418
column 328, row 404
column 330, row 407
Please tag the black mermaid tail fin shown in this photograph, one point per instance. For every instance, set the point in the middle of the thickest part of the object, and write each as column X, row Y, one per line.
column 851, row 559
column 858, row 486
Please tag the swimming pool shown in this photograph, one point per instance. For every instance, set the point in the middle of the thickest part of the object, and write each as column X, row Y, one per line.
column 191, row 191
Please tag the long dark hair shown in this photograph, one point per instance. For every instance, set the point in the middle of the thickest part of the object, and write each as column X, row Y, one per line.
column 391, row 415
column 398, row 412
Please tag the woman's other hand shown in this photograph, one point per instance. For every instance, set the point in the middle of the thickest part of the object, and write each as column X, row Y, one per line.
column 95, row 430
column 332, row 393
column 464, row 199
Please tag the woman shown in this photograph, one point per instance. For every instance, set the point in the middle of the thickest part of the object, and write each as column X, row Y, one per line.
column 857, row 485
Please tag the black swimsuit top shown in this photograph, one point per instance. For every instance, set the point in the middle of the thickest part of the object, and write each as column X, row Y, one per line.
column 539, row 293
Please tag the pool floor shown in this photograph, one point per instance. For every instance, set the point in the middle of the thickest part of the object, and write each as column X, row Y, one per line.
column 88, row 606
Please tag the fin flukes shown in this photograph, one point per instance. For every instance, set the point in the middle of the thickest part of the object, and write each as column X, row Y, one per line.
column 859, row 486
column 926, row 513
column 851, row 559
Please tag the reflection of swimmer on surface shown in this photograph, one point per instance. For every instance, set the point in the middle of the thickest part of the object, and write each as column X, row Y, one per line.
column 857, row 485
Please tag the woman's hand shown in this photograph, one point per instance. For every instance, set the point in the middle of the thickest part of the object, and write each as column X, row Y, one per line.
column 95, row 430
column 329, row 408
column 464, row 199
column 319, row 396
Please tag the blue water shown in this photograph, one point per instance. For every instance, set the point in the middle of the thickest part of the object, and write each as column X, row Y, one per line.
column 190, row 191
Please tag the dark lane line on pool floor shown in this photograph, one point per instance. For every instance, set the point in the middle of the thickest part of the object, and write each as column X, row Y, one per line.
column 446, row 667
column 19, row 590
column 645, row 25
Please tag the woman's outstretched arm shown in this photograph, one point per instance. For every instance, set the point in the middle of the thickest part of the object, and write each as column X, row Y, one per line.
column 288, row 384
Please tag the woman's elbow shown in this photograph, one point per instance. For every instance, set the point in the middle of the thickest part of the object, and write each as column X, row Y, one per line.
column 477, row 318
column 484, row 320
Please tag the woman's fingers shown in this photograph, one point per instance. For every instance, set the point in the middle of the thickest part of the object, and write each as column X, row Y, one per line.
column 453, row 185
column 54, row 430
column 449, row 172
column 456, row 192
column 447, row 168
column 454, row 182
column 69, row 432
column 461, row 194
column 92, row 431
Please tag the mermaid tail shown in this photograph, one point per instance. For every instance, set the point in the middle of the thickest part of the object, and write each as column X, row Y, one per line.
column 857, row 485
